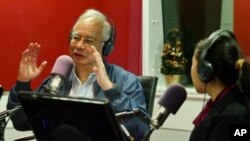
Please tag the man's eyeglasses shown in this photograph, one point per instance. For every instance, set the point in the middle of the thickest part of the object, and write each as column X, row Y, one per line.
column 85, row 40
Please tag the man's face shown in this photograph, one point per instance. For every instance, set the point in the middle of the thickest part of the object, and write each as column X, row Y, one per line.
column 87, row 33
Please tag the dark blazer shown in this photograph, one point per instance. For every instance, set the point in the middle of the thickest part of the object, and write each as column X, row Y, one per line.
column 229, row 112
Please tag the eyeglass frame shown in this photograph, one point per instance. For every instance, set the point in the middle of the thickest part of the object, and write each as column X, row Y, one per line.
column 87, row 41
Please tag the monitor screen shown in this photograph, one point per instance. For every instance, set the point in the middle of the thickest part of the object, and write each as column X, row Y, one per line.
column 58, row 117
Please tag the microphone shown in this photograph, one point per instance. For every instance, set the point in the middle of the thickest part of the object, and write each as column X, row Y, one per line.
column 60, row 73
column 140, row 112
column 170, row 102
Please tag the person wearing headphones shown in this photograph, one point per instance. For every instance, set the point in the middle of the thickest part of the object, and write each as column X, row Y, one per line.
column 91, row 39
column 219, row 70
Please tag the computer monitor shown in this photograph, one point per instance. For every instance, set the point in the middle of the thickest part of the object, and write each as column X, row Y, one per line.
column 59, row 117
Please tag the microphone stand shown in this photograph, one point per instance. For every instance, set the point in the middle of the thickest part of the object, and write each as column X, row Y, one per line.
column 131, row 138
column 142, row 115
column 154, row 124
column 3, row 122
column 124, row 115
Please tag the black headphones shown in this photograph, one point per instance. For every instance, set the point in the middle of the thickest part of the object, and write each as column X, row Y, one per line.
column 205, row 68
column 109, row 44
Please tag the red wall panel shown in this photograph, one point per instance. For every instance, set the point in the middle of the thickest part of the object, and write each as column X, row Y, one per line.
column 129, row 40
column 49, row 22
column 241, row 24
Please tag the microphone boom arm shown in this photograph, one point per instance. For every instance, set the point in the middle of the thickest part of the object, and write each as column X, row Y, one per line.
column 9, row 113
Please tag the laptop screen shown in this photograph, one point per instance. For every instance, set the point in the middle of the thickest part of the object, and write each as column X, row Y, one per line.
column 57, row 118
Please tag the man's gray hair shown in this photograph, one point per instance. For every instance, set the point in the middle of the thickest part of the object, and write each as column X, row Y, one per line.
column 102, row 18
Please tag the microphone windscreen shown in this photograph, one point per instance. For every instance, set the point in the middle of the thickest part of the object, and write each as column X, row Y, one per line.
column 173, row 98
column 63, row 66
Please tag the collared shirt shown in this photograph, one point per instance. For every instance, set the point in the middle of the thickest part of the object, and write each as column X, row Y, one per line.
column 85, row 89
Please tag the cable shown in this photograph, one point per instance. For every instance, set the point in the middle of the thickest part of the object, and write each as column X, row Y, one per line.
column 203, row 103
column 131, row 138
column 204, row 98
column 148, row 134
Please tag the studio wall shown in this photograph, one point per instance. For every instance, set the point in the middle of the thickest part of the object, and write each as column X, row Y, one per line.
column 49, row 22
column 241, row 24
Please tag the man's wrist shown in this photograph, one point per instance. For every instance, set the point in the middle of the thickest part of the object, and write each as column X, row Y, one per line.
column 109, row 86
column 113, row 92
column 23, row 85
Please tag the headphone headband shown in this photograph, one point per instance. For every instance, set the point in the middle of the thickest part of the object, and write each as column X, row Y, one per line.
column 205, row 68
column 109, row 44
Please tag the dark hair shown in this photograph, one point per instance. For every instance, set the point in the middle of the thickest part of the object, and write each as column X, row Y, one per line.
column 245, row 76
column 223, row 56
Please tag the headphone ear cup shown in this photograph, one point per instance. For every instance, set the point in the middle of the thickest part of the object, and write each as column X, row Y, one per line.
column 206, row 71
column 107, row 48
column 109, row 44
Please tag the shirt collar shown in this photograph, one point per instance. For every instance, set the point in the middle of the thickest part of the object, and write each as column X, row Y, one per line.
column 91, row 78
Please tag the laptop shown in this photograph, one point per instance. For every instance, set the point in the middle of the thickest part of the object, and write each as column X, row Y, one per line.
column 64, row 118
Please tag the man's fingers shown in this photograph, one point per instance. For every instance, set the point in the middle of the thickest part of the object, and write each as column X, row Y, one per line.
column 91, row 49
column 95, row 69
column 42, row 66
column 31, row 53
column 98, row 59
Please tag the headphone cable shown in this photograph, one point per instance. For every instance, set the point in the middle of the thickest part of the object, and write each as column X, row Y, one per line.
column 203, row 103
